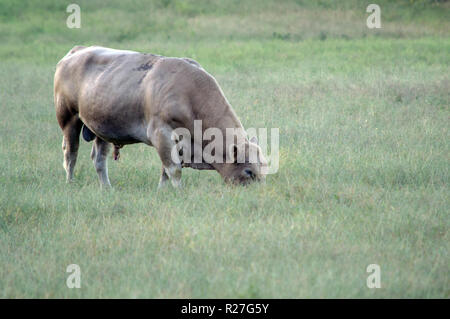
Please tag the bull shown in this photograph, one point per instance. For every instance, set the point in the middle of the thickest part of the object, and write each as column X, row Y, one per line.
column 119, row 97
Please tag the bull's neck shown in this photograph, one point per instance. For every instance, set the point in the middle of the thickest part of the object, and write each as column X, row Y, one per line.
column 224, row 117
column 229, row 120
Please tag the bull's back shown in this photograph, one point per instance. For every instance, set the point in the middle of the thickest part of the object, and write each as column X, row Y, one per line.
column 117, row 92
column 105, row 87
column 95, row 69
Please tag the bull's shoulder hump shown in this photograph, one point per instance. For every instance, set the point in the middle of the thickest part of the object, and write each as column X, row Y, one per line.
column 180, row 63
column 184, row 66
column 192, row 62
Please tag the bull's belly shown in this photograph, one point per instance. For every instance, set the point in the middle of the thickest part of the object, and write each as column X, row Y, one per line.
column 117, row 131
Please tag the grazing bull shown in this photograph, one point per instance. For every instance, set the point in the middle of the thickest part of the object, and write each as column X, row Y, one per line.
column 122, row 97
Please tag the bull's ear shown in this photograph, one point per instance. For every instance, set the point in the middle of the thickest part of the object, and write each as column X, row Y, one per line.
column 254, row 139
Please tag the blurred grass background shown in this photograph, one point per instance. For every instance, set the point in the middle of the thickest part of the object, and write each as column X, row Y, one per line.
column 364, row 155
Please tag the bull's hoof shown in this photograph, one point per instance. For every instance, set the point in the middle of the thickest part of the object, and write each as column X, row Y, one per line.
column 176, row 183
column 162, row 185
column 105, row 187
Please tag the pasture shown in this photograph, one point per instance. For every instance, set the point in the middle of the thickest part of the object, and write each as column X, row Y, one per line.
column 364, row 155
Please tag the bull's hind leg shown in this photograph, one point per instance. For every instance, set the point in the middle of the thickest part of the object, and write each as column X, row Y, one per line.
column 99, row 154
column 70, row 144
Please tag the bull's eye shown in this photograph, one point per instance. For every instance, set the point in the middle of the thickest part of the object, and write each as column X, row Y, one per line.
column 249, row 173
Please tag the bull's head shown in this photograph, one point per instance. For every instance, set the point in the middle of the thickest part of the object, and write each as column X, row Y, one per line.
column 247, row 165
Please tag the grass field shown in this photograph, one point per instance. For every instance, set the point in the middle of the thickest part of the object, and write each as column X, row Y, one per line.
column 364, row 155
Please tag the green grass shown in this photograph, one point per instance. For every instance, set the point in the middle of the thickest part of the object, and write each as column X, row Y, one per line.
column 364, row 156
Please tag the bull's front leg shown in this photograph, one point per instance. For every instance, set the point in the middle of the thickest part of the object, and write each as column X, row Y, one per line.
column 160, row 134
column 164, row 179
